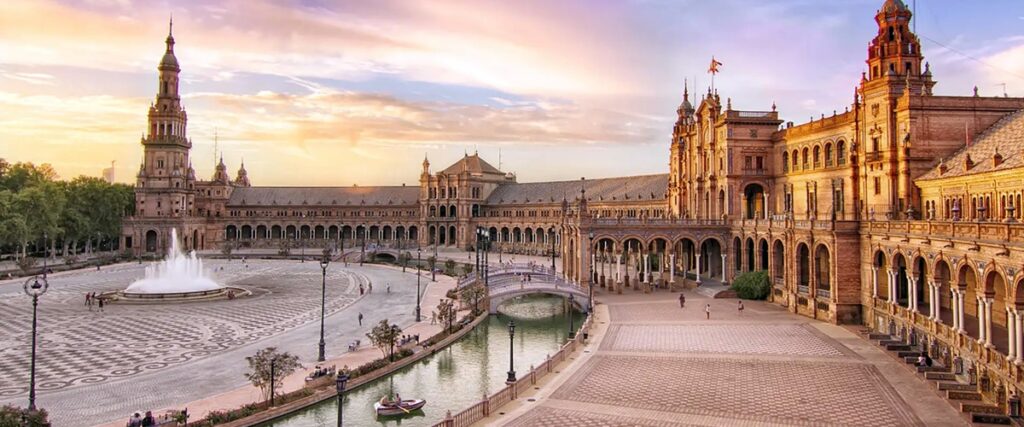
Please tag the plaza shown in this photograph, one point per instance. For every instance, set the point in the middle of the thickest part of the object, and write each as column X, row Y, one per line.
column 95, row 367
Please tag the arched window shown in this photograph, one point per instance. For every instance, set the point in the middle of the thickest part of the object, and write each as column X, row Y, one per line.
column 817, row 157
column 828, row 155
column 806, row 163
column 785, row 161
column 841, row 153
column 795, row 159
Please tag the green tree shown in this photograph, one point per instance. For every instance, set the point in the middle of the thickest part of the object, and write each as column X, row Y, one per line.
column 41, row 205
column 403, row 259
column 449, row 267
column 259, row 374
column 12, row 416
column 446, row 313
column 432, row 262
column 473, row 293
column 384, row 336
column 467, row 269
column 752, row 285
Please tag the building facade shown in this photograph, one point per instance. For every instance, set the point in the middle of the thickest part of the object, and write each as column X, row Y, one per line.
column 921, row 192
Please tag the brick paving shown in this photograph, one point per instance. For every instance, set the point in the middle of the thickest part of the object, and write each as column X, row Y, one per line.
column 658, row 364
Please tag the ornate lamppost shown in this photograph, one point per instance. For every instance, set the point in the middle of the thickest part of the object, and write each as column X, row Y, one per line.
column 323, row 302
column 511, row 353
column 419, row 253
column 590, row 248
column 34, row 287
column 552, row 233
column 433, row 269
column 339, row 383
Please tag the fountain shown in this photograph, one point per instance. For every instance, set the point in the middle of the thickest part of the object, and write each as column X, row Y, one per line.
column 179, row 277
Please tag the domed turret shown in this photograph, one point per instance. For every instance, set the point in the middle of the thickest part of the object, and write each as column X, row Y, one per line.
column 242, row 179
column 169, row 62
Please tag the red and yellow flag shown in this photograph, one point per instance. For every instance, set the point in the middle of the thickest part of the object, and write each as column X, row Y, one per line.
column 713, row 69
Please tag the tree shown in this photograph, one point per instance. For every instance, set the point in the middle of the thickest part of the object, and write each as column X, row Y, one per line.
column 467, row 269
column 260, row 364
column 449, row 267
column 446, row 313
column 473, row 293
column 384, row 336
column 403, row 259
column 12, row 416
column 432, row 262
column 227, row 247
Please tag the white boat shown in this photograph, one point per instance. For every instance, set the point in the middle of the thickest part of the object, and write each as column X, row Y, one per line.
column 390, row 408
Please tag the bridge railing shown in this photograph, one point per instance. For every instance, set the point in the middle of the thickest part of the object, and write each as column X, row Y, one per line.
column 507, row 269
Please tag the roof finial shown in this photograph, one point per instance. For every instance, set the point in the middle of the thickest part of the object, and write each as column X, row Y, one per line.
column 170, row 26
column 686, row 89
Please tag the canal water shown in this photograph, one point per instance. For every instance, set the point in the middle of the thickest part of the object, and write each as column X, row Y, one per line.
column 458, row 376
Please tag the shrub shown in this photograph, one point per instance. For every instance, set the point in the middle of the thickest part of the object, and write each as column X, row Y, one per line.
column 11, row 416
column 752, row 285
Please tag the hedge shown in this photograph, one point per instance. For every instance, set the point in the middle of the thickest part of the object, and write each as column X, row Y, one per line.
column 752, row 285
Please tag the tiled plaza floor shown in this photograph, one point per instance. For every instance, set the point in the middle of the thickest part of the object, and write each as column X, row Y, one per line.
column 657, row 364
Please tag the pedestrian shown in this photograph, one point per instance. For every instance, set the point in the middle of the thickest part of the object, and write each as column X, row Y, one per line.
column 101, row 304
column 148, row 420
column 740, row 307
column 135, row 420
column 682, row 300
column 707, row 311
column 97, row 267
column 370, row 291
column 433, row 317
column 88, row 299
column 361, row 290
column 360, row 319
column 388, row 287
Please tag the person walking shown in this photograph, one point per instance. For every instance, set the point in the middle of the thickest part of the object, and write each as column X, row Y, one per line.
column 135, row 420
column 682, row 300
column 388, row 287
column 433, row 317
column 148, row 420
column 88, row 300
column 101, row 304
column 707, row 311
column 360, row 319
column 740, row 307
column 370, row 289
column 361, row 289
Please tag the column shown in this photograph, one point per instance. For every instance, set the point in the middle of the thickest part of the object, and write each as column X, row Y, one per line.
column 892, row 286
column 933, row 301
column 698, row 268
column 980, row 301
column 1011, row 334
column 672, row 268
column 618, row 269
column 874, row 282
column 643, row 268
column 960, row 312
column 912, row 295
column 723, row 268
column 988, row 322
column 1019, row 341
column 956, row 308
column 764, row 206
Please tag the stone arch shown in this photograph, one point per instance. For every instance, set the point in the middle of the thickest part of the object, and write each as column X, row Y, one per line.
column 505, row 235
column 452, row 238
column 432, row 235
column 779, row 263
column 686, row 251
column 899, row 266
column 246, row 232
column 275, row 231
column 941, row 274
column 803, row 268
column 292, row 232
column 1018, row 293
column 442, row 211
column 828, row 154
column 387, row 232
column 919, row 272
column 452, row 211
column 737, row 254
column 881, row 264
column 400, row 231
column 967, row 280
column 332, row 232
column 995, row 288
column 304, row 232
column 414, row 232
column 152, row 240
column 754, row 207
column 823, row 267
column 261, row 232
column 749, row 254
column 763, row 254
column 817, row 156
column 319, row 232
column 711, row 251
column 230, row 233
column 346, row 232
column 517, row 235
column 195, row 240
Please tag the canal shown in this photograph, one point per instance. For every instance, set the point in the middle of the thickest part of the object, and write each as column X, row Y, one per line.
column 458, row 376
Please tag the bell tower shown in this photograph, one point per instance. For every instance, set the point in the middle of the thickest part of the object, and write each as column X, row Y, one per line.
column 166, row 180
column 895, row 50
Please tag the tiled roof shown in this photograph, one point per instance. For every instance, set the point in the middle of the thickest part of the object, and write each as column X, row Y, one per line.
column 474, row 164
column 620, row 189
column 1005, row 137
column 324, row 196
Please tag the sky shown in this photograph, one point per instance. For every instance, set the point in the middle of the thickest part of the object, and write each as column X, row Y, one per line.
column 336, row 93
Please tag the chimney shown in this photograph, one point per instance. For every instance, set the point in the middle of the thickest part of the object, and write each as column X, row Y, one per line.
column 968, row 163
column 997, row 159
column 942, row 167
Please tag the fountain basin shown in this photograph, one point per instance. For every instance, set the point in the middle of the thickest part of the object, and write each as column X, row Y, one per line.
column 124, row 297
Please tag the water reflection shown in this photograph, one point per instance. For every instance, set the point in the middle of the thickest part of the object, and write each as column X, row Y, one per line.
column 460, row 375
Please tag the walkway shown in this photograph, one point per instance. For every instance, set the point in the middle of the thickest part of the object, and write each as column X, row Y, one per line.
column 655, row 364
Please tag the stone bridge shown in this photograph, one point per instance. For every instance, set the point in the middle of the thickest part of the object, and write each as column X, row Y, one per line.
column 515, row 280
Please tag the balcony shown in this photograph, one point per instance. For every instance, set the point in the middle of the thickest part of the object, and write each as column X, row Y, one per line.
column 824, row 293
column 802, row 289
column 755, row 172
column 874, row 156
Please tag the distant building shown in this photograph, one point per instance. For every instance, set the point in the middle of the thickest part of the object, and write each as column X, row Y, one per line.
column 108, row 173
column 901, row 212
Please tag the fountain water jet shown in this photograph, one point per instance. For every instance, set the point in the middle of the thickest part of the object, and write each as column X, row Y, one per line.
column 178, row 273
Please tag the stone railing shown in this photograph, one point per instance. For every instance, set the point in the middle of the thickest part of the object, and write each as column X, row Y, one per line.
column 975, row 230
column 482, row 409
column 667, row 222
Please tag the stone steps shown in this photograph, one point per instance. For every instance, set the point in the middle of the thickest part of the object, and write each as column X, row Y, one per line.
column 940, row 376
column 935, row 369
column 944, row 386
column 963, row 395
column 991, row 419
column 878, row 337
column 975, row 407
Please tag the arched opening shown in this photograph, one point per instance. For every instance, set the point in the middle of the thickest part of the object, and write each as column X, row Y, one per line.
column 195, row 240
column 318, row 232
column 275, row 232
column 881, row 275
column 475, row 211
column 151, row 239
column 493, row 234
column 361, row 232
column 753, row 194
column 779, row 264
column 817, row 156
column 304, row 232
column 711, row 251
column 400, row 233
column 803, row 264
column 763, row 254
column 332, row 232
column 823, row 271
column 968, row 283
column 291, row 232
column 750, row 255
column 504, row 235
column 443, row 211
column 246, row 232
column 230, row 233
column 517, row 236
column 432, row 211
column 828, row 155
column 995, row 288
column 374, row 232
column 451, row 211
column 451, row 236
column 261, row 232
column 432, row 235
column 387, row 233
column 414, row 233
column 442, row 235
column 942, row 276
column 346, row 232
column 920, row 276
column 899, row 265
column 737, row 254
column 687, row 258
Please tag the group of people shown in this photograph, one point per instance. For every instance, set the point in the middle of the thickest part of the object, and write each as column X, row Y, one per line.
column 91, row 299
column 137, row 420
column 707, row 307
column 369, row 288
column 406, row 339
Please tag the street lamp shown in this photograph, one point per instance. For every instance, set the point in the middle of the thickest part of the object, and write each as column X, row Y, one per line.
column 419, row 253
column 323, row 302
column 339, row 383
column 572, row 330
column 592, row 278
column 511, row 354
column 552, row 232
column 433, row 269
column 34, row 287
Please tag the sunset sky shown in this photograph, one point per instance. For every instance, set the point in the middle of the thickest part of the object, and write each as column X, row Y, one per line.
column 341, row 92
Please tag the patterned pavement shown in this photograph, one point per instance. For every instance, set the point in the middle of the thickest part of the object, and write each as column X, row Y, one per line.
column 135, row 357
column 661, row 365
